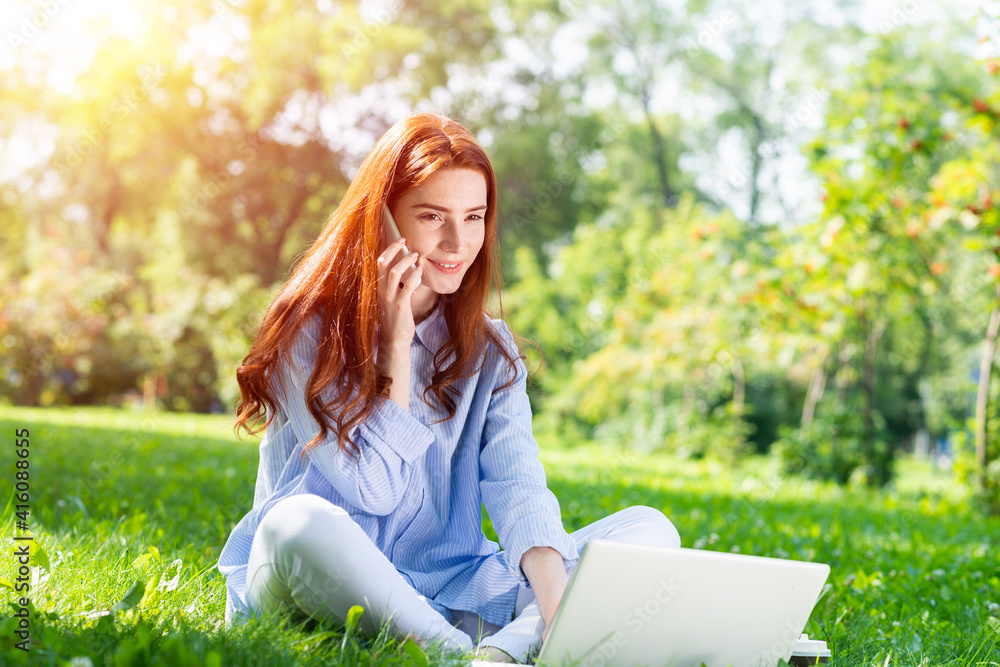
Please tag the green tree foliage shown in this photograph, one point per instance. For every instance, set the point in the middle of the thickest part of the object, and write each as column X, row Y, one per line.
column 178, row 172
column 884, row 140
column 650, row 329
column 860, row 323
column 189, row 163
column 963, row 196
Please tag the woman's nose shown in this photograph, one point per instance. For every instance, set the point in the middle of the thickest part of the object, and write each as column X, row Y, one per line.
column 452, row 240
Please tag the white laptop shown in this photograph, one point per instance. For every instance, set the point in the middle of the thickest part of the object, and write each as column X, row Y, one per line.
column 637, row 606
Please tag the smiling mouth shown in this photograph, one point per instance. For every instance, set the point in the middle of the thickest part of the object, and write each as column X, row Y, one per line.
column 446, row 268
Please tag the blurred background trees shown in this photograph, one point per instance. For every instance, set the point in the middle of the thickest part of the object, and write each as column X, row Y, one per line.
column 730, row 227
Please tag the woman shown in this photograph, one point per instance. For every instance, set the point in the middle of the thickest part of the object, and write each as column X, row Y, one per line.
column 395, row 407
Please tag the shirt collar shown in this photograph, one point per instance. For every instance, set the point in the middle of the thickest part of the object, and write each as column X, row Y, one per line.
column 432, row 332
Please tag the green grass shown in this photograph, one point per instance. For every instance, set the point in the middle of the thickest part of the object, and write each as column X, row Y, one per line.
column 119, row 498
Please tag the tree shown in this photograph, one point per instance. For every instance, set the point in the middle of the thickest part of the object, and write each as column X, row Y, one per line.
column 212, row 121
column 885, row 138
column 964, row 193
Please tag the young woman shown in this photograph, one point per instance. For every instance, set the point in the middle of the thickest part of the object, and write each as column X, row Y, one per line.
column 395, row 407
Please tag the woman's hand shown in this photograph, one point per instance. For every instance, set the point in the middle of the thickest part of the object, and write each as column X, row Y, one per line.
column 396, row 317
column 395, row 291
column 543, row 566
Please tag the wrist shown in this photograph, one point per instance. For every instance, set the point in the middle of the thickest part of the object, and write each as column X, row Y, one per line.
column 544, row 568
column 392, row 354
column 549, row 596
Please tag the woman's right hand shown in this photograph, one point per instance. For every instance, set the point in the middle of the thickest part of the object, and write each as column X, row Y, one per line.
column 395, row 288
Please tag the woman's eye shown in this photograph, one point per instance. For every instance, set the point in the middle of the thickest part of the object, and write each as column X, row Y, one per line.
column 475, row 217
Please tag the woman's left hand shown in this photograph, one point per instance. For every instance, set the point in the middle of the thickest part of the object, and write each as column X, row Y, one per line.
column 543, row 566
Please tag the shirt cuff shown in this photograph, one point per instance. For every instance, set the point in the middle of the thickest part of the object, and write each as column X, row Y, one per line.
column 398, row 429
column 538, row 530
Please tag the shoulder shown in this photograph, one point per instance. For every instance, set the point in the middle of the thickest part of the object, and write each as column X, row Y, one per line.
column 311, row 327
column 302, row 345
column 503, row 355
column 307, row 335
column 503, row 335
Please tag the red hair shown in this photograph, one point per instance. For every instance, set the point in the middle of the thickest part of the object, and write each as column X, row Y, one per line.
column 337, row 279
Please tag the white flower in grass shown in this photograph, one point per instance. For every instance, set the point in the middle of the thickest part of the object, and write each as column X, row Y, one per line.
column 173, row 571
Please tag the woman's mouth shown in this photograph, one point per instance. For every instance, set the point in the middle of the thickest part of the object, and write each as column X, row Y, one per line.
column 447, row 268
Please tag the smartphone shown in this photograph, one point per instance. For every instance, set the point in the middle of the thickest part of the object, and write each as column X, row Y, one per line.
column 392, row 229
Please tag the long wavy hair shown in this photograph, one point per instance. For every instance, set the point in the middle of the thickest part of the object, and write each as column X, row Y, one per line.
column 337, row 279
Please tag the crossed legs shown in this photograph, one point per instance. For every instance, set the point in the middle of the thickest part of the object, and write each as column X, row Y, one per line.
column 310, row 554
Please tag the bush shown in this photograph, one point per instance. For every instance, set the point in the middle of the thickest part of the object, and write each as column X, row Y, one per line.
column 683, row 432
column 74, row 334
column 830, row 448
column 833, row 447
column 65, row 336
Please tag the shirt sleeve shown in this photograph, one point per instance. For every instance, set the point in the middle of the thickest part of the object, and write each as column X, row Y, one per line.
column 390, row 440
column 523, row 510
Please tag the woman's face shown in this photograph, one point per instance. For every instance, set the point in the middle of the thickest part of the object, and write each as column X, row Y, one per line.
column 444, row 220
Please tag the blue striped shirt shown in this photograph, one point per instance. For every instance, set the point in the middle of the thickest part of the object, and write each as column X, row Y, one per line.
column 417, row 487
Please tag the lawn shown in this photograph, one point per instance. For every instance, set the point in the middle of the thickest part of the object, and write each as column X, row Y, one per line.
column 145, row 502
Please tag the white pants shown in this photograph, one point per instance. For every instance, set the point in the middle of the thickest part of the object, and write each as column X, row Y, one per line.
column 310, row 555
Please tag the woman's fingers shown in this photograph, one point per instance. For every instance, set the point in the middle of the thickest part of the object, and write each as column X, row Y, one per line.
column 410, row 285
column 399, row 276
column 390, row 259
column 391, row 251
column 399, row 269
